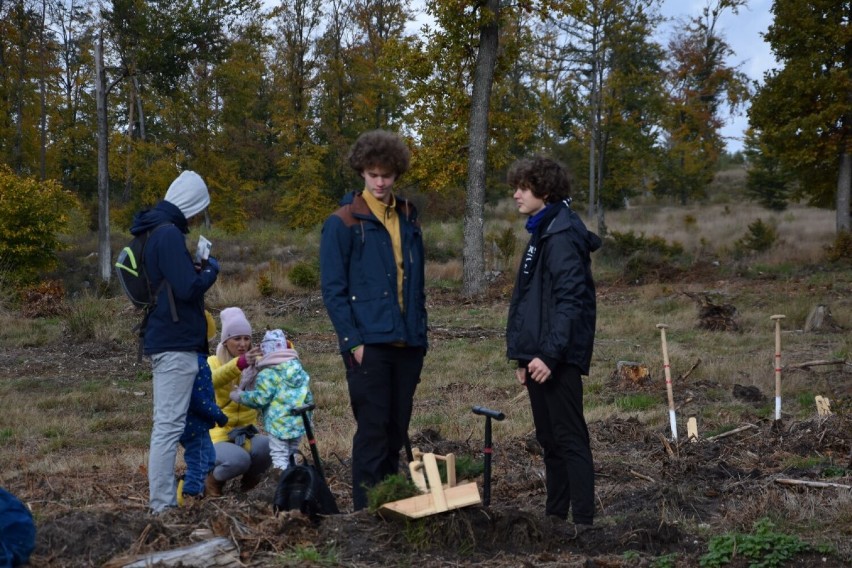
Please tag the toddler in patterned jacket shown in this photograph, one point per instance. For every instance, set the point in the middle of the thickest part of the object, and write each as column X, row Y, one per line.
column 281, row 384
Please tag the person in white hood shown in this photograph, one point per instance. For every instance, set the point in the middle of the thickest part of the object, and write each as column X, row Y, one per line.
column 175, row 333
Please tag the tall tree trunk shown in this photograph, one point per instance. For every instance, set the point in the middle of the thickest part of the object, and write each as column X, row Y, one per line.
column 128, row 157
column 104, row 253
column 844, row 189
column 474, row 214
column 42, row 91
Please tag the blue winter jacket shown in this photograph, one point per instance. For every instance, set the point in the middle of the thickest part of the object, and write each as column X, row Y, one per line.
column 359, row 275
column 166, row 256
column 203, row 411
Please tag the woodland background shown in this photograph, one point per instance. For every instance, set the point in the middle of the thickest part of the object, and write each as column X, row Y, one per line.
column 104, row 103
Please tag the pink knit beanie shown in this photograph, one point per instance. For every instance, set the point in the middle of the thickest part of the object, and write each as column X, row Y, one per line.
column 234, row 323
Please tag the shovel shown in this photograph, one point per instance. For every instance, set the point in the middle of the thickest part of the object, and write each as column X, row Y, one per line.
column 309, row 434
column 488, row 414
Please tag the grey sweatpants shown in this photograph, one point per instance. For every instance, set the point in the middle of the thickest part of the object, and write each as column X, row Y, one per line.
column 174, row 375
column 233, row 461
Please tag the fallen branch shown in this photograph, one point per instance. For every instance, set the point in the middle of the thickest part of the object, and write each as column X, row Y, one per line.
column 642, row 476
column 817, row 363
column 731, row 432
column 218, row 552
column 684, row 376
column 821, row 484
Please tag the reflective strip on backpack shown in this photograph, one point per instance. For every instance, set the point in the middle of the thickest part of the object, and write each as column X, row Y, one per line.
column 128, row 255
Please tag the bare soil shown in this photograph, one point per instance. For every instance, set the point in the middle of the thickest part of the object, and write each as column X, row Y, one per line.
column 652, row 493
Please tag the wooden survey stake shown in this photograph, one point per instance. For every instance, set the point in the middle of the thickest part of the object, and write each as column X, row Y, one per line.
column 777, row 319
column 668, row 372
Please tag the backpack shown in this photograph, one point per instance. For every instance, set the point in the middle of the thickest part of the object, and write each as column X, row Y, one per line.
column 302, row 488
column 131, row 274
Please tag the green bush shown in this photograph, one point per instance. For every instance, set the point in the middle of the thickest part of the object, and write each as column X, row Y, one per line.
column 764, row 548
column 627, row 244
column 505, row 241
column 264, row 285
column 760, row 237
column 32, row 215
column 305, row 275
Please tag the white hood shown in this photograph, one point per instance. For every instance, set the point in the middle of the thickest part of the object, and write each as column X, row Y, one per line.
column 189, row 194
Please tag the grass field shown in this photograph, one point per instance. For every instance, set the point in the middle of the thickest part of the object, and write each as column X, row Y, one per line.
column 76, row 419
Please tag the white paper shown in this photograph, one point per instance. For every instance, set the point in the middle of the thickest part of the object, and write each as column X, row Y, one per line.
column 202, row 253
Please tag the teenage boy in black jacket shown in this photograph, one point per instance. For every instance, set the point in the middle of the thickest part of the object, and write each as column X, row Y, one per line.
column 551, row 332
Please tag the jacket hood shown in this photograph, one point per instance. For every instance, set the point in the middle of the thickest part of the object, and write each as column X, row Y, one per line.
column 189, row 193
column 163, row 212
column 565, row 218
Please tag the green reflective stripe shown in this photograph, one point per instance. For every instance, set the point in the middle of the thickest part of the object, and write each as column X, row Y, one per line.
column 127, row 268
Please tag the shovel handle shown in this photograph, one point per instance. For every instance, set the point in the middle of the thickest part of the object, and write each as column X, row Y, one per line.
column 302, row 409
column 482, row 411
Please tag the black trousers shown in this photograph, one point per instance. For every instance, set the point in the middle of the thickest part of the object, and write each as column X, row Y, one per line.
column 560, row 428
column 381, row 392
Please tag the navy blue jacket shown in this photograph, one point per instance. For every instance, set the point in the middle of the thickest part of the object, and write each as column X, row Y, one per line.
column 553, row 309
column 166, row 256
column 359, row 275
column 203, row 411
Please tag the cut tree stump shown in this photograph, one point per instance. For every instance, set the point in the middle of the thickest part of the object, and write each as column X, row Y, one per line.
column 820, row 320
column 823, row 405
column 631, row 374
column 215, row 553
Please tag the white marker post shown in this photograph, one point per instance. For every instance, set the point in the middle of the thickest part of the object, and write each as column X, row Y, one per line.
column 667, row 368
column 777, row 319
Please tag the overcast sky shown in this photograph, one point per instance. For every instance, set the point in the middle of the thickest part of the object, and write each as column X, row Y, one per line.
column 743, row 34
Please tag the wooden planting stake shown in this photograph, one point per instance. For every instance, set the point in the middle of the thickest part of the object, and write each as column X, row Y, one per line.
column 777, row 319
column 667, row 369
column 692, row 429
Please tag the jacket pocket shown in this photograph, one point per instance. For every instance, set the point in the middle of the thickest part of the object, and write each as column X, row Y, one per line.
column 373, row 312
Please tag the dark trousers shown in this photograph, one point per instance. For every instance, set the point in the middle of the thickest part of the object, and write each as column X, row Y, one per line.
column 560, row 428
column 381, row 391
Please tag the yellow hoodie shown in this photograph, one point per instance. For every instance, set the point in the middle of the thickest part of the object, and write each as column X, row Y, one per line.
column 225, row 378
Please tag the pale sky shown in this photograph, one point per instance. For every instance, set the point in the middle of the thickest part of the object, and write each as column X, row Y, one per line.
column 742, row 32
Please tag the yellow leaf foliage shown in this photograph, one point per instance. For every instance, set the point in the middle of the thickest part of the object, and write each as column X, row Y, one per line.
column 32, row 215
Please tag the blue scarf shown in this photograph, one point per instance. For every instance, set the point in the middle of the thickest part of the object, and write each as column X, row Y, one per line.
column 533, row 222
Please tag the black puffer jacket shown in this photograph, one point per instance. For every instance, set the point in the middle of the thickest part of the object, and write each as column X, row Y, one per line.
column 552, row 313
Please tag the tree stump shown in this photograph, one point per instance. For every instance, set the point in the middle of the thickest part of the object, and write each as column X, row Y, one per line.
column 632, row 375
column 820, row 320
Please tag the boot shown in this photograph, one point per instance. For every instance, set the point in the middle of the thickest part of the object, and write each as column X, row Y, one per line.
column 212, row 486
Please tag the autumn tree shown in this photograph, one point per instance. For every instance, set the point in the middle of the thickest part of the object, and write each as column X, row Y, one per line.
column 613, row 94
column 802, row 114
column 300, row 164
column 701, row 86
column 75, row 118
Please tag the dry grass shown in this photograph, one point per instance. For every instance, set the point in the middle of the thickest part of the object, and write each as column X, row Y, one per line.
column 803, row 232
column 80, row 394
